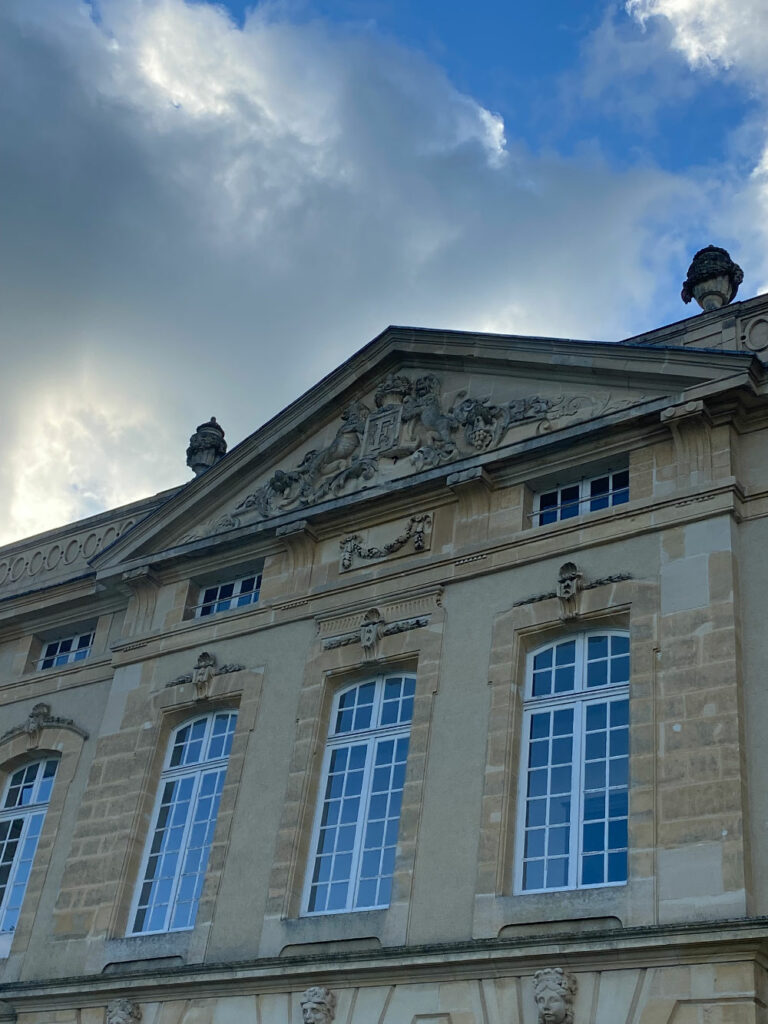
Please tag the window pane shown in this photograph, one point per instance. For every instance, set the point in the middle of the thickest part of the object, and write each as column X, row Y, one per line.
column 569, row 502
column 179, row 846
column 548, row 803
column 29, row 790
column 598, row 492
column 355, row 852
column 596, row 829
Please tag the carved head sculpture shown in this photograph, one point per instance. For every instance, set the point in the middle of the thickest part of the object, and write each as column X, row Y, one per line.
column 37, row 717
column 122, row 1011
column 554, row 990
column 568, row 579
column 318, row 1005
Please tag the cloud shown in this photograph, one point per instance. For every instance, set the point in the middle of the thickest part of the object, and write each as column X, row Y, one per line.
column 715, row 34
column 203, row 220
column 728, row 39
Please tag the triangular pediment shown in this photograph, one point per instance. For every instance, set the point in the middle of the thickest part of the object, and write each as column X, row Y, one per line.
column 414, row 403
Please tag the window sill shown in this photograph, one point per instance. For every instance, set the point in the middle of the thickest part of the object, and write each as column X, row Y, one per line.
column 387, row 926
column 143, row 947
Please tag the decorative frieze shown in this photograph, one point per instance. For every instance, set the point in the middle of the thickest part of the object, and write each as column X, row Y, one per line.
column 67, row 555
column 202, row 674
column 40, row 718
column 348, row 621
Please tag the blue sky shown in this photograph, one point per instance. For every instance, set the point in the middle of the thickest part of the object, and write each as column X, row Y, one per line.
column 528, row 62
column 205, row 208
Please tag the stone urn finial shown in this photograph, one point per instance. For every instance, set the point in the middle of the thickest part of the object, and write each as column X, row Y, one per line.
column 713, row 278
column 206, row 446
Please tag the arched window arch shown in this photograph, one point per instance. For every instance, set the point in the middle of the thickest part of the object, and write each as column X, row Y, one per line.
column 361, row 789
column 22, row 813
column 176, row 856
column 574, row 785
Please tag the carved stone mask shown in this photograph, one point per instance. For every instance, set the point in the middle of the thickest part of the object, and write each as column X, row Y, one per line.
column 552, row 1007
column 554, row 989
column 318, row 1006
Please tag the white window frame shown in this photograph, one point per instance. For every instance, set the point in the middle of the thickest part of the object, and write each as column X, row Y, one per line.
column 31, row 813
column 170, row 773
column 75, row 652
column 585, row 497
column 371, row 736
column 235, row 599
column 579, row 699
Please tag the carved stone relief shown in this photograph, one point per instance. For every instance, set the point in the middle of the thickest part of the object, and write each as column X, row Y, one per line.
column 202, row 674
column 40, row 718
column 570, row 583
column 66, row 555
column 755, row 337
column 318, row 1005
column 412, row 420
column 122, row 1011
column 416, row 531
column 569, row 586
column 554, row 990
column 371, row 630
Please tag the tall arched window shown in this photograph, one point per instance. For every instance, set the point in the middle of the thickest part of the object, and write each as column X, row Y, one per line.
column 22, row 813
column 361, row 791
column 574, row 792
column 176, row 857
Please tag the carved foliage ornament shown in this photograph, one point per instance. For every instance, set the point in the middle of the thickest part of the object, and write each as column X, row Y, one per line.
column 122, row 1011
column 318, row 1005
column 554, row 990
column 415, row 530
column 371, row 630
column 40, row 718
column 412, row 420
column 202, row 674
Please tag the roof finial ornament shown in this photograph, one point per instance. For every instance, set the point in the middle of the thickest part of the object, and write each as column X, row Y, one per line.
column 713, row 278
column 206, row 447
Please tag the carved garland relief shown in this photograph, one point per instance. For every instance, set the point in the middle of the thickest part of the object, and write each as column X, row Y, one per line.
column 411, row 421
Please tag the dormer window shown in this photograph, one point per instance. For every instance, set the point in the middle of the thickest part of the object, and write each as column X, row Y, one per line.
column 233, row 594
column 590, row 494
column 66, row 649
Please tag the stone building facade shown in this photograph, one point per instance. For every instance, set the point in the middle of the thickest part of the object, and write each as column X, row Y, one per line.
column 439, row 699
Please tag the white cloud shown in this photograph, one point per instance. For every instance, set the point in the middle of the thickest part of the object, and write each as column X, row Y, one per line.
column 729, row 38
column 209, row 219
column 714, row 33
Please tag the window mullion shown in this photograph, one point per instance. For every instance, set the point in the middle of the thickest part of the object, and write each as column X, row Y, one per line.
column 577, row 791
column 362, row 821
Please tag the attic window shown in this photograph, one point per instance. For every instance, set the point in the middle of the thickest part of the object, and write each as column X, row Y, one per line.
column 66, row 650
column 232, row 594
column 589, row 494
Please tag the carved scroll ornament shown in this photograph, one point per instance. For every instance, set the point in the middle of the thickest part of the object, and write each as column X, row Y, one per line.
column 413, row 421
